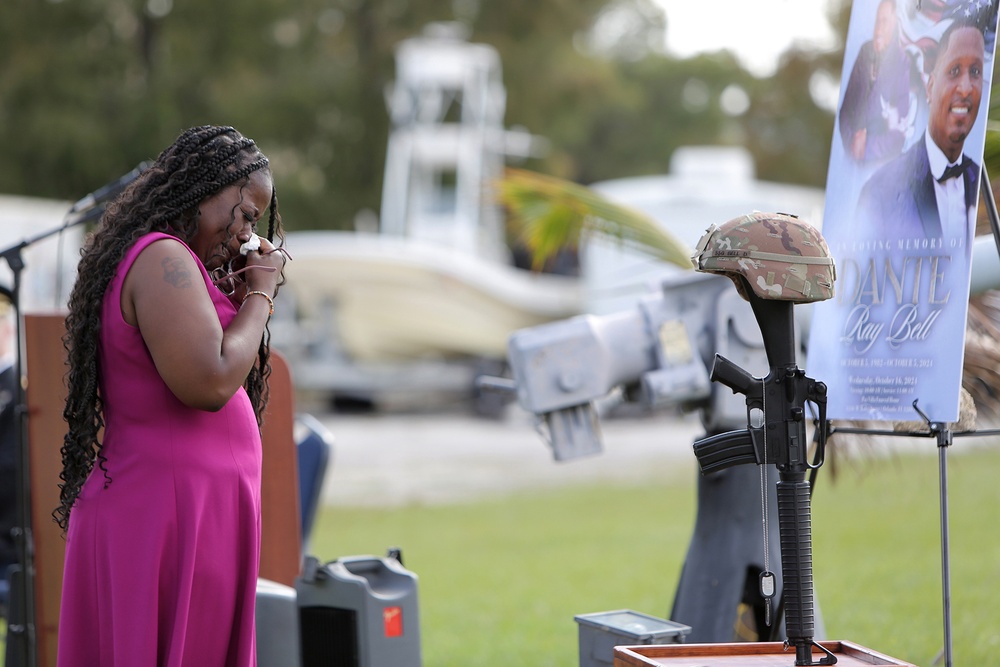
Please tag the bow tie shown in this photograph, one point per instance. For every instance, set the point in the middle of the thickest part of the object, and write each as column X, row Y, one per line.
column 953, row 170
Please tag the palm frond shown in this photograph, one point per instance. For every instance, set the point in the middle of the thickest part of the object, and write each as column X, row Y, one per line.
column 550, row 213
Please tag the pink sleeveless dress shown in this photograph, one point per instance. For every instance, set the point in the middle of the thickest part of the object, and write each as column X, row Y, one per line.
column 161, row 563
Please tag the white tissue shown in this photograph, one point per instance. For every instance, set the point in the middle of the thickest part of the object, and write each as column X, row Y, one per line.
column 251, row 245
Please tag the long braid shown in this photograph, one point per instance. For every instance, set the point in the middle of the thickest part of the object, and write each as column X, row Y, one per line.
column 164, row 198
column 260, row 377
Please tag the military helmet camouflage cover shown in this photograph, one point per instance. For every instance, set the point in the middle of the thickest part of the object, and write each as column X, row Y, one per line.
column 779, row 256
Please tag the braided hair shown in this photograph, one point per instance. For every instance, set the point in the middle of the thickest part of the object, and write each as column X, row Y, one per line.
column 164, row 198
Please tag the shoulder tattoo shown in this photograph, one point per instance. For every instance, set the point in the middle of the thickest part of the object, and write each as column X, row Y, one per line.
column 176, row 273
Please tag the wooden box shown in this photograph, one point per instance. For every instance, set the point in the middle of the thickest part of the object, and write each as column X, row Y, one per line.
column 763, row 654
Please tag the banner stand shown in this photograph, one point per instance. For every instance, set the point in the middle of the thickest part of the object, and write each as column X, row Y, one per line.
column 944, row 436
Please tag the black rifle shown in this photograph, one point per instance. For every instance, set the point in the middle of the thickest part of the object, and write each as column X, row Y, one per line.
column 776, row 434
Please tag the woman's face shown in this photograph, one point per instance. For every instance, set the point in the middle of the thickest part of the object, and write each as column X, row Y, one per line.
column 228, row 218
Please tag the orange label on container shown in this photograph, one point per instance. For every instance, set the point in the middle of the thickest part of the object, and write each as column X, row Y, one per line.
column 392, row 620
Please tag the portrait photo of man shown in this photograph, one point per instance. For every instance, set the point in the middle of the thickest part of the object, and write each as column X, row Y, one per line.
column 901, row 228
column 930, row 190
column 879, row 112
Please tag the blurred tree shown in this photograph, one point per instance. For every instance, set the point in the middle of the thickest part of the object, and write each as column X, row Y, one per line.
column 785, row 128
column 88, row 88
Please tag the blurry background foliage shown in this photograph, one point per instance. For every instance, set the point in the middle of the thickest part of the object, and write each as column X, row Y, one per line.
column 89, row 88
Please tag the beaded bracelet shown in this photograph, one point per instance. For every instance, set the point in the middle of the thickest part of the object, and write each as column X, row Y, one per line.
column 270, row 301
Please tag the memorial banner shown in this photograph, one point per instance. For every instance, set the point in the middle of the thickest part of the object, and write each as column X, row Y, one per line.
column 901, row 203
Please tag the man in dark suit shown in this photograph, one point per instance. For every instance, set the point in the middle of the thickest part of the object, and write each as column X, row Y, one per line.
column 930, row 191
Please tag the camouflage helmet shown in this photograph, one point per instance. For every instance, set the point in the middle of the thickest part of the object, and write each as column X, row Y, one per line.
column 779, row 256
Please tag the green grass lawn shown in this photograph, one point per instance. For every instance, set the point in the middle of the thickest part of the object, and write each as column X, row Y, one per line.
column 500, row 580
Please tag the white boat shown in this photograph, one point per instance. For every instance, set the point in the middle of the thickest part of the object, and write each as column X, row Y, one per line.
column 398, row 299
column 420, row 303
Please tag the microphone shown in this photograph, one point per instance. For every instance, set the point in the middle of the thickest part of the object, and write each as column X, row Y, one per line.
column 109, row 191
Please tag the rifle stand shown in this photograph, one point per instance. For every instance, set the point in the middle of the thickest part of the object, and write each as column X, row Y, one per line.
column 776, row 435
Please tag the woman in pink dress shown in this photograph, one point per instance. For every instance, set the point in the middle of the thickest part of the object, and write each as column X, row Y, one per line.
column 168, row 366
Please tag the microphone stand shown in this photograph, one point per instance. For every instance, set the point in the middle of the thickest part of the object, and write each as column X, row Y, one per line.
column 22, row 638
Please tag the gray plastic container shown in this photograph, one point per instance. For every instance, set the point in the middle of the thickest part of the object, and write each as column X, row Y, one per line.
column 358, row 611
column 277, row 625
column 601, row 632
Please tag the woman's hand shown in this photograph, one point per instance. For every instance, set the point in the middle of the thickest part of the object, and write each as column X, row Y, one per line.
column 264, row 267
